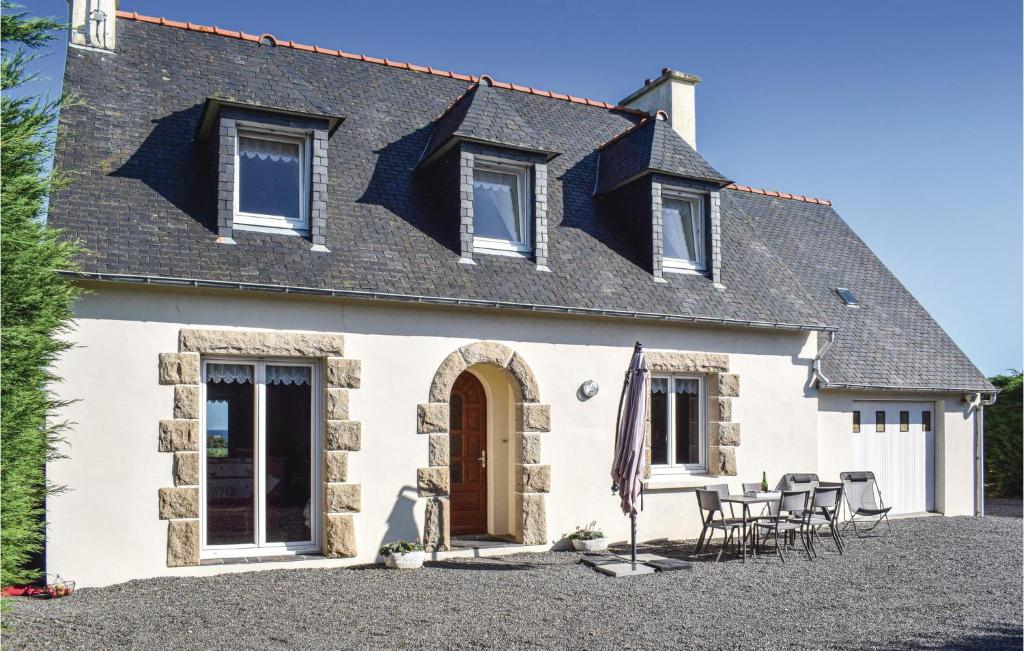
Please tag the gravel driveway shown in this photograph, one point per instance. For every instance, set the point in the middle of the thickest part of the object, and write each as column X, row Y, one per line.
column 938, row 582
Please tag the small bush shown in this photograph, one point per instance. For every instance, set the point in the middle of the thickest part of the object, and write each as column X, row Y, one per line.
column 399, row 547
column 589, row 532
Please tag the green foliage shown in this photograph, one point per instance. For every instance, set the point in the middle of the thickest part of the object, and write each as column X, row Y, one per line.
column 400, row 547
column 589, row 532
column 35, row 303
column 1003, row 435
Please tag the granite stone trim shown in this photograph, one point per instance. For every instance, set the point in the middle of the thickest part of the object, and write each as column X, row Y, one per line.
column 182, row 542
column 432, row 417
column 533, row 479
column 186, row 469
column 186, row 401
column 335, row 465
column 340, row 435
column 179, row 368
column 661, row 361
column 255, row 343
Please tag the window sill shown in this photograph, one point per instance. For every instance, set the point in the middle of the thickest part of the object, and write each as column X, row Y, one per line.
column 277, row 230
column 678, row 482
column 698, row 271
column 483, row 250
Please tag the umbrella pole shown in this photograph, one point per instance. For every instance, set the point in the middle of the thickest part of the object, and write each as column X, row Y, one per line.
column 632, row 524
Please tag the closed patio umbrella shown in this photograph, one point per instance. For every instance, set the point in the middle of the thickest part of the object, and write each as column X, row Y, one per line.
column 629, row 439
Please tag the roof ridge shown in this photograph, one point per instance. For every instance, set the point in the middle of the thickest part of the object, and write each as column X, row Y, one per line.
column 206, row 29
column 780, row 195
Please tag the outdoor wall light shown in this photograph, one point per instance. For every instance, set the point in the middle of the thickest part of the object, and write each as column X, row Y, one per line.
column 589, row 389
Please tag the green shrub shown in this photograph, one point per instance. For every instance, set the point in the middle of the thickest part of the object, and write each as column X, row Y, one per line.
column 35, row 303
column 1003, row 427
column 589, row 532
column 399, row 547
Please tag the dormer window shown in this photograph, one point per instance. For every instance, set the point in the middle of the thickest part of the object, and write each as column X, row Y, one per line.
column 683, row 232
column 272, row 181
column 501, row 208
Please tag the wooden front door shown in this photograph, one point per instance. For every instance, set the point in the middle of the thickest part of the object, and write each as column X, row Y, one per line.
column 468, row 456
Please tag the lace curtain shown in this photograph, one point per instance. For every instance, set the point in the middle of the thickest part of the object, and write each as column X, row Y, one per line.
column 679, row 385
column 244, row 374
column 288, row 375
column 228, row 373
column 275, row 150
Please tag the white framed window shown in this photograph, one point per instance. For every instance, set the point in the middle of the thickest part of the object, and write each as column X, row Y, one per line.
column 272, row 180
column 678, row 430
column 682, row 232
column 259, row 458
column 501, row 208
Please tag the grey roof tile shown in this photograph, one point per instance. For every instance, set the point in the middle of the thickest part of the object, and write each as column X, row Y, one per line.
column 142, row 203
column 649, row 147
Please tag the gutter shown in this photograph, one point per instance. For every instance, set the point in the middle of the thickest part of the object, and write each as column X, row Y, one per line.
column 977, row 403
column 437, row 300
column 818, row 375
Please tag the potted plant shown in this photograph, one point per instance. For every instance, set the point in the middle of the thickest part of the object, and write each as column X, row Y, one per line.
column 402, row 555
column 588, row 539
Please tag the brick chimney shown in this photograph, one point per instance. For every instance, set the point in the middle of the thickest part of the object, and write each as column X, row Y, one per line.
column 91, row 23
column 672, row 92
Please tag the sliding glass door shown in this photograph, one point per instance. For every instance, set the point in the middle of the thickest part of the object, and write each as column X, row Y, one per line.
column 259, row 452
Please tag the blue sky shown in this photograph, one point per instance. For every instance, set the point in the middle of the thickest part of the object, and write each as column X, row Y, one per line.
column 907, row 115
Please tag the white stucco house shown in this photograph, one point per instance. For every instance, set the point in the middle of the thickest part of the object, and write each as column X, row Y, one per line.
column 337, row 301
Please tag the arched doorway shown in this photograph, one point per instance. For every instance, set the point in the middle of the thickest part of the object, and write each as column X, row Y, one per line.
column 468, row 456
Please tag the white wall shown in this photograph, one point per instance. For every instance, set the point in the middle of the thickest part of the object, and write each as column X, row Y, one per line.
column 954, row 444
column 106, row 529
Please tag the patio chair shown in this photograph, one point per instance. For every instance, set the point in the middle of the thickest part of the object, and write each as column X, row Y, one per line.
column 800, row 481
column 860, row 489
column 823, row 512
column 709, row 501
column 790, row 517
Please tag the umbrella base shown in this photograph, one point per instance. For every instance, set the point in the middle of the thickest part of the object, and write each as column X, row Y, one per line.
column 618, row 566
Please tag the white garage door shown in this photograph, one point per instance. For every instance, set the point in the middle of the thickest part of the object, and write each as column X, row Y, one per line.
column 896, row 441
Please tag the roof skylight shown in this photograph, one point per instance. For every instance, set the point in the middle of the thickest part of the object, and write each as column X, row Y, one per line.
column 848, row 297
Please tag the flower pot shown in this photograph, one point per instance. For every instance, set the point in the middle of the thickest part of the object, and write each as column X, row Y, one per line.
column 595, row 545
column 406, row 561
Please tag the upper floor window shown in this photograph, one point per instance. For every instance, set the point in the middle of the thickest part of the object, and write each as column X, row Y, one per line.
column 501, row 208
column 683, row 232
column 272, row 181
column 678, row 440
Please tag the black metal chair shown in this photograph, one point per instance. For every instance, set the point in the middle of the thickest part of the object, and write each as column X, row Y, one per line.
column 823, row 512
column 790, row 517
column 860, row 489
column 709, row 501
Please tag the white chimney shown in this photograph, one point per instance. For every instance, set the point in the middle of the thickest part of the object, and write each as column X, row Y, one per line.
column 672, row 92
column 92, row 23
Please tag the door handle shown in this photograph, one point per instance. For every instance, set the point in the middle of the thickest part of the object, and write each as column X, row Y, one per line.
column 483, row 458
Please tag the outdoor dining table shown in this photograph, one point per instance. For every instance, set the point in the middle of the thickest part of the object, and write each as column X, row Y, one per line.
column 746, row 501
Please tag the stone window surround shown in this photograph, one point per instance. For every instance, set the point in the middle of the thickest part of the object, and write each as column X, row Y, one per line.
column 227, row 134
column 661, row 186
column 533, row 479
column 179, row 504
column 723, row 434
column 468, row 155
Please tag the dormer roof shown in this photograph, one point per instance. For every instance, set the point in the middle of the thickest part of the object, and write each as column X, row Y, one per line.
column 650, row 146
column 483, row 115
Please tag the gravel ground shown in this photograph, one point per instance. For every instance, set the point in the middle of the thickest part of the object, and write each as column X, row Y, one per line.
column 937, row 583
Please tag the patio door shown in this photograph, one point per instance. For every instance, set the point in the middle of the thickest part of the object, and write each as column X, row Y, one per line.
column 258, row 482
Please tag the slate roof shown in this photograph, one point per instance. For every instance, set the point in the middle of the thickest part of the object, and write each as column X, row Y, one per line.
column 482, row 114
column 142, row 203
column 651, row 146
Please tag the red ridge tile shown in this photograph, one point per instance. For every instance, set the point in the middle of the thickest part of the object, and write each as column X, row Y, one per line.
column 773, row 193
column 136, row 16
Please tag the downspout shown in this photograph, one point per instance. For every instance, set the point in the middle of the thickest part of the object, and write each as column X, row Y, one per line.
column 977, row 402
column 818, row 375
